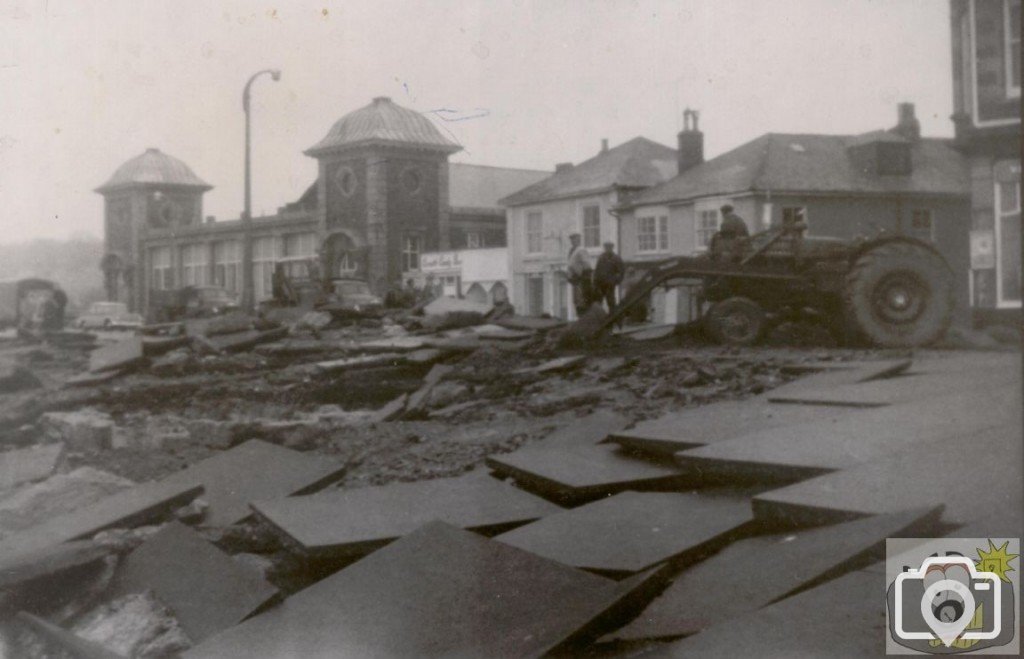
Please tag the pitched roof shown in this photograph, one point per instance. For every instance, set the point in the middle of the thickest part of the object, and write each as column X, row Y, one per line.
column 637, row 163
column 382, row 121
column 480, row 186
column 813, row 163
column 156, row 167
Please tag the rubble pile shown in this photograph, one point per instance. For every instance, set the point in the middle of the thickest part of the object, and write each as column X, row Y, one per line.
column 262, row 463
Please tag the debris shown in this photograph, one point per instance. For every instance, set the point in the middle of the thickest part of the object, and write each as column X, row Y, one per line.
column 634, row 531
column 446, row 305
column 414, row 406
column 136, row 625
column 355, row 522
column 351, row 363
column 124, row 354
column 88, row 379
column 391, row 411
column 229, row 483
column 531, row 323
column 424, row 356
column 396, row 344
column 16, row 378
column 157, row 345
column 247, row 340
column 553, row 366
column 176, row 564
column 50, row 564
column 469, row 596
column 314, row 321
column 83, row 430
column 231, row 323
column 65, row 640
column 28, row 464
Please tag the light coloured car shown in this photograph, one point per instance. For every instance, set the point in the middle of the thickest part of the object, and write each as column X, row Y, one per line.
column 108, row 315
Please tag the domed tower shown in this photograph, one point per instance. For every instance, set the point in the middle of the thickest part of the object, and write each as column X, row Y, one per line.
column 152, row 192
column 383, row 192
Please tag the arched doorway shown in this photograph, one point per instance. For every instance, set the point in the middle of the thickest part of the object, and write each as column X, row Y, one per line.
column 499, row 293
column 477, row 293
column 343, row 257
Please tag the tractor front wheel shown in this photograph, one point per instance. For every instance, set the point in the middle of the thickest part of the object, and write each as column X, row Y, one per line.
column 899, row 295
column 736, row 321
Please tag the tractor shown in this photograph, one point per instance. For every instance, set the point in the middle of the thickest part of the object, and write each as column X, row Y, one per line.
column 888, row 290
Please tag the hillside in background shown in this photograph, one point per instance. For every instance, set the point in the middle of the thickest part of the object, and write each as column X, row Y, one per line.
column 74, row 264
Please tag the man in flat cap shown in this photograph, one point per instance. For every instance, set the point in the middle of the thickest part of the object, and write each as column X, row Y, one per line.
column 608, row 275
column 580, row 273
column 732, row 233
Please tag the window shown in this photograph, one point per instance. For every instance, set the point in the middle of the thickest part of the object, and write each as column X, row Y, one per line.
column 300, row 244
column 162, row 277
column 412, row 181
column 1011, row 32
column 591, row 226
column 412, row 245
column 473, row 240
column 793, row 214
column 345, row 179
column 227, row 265
column 652, row 234
column 194, row 265
column 1008, row 242
column 921, row 226
column 264, row 254
column 534, row 233
column 707, row 227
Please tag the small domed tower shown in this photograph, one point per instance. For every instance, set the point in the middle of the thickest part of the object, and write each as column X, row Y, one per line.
column 152, row 192
column 383, row 191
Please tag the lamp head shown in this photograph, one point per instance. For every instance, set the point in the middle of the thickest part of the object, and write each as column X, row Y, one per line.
column 275, row 74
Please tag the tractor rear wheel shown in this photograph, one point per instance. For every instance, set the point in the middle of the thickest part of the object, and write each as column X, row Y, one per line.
column 899, row 294
column 736, row 321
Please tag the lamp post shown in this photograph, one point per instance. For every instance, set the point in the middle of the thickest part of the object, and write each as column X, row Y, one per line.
column 248, row 291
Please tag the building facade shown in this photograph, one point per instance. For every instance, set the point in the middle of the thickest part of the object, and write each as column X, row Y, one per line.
column 575, row 199
column 986, row 103
column 842, row 186
column 382, row 198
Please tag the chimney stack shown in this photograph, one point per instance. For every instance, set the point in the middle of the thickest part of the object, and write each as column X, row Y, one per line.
column 908, row 125
column 563, row 167
column 691, row 142
column 604, row 144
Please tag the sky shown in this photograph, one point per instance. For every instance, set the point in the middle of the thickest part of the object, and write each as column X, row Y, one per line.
column 85, row 86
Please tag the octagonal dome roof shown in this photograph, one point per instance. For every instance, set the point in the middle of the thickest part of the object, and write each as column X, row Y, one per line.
column 153, row 167
column 383, row 121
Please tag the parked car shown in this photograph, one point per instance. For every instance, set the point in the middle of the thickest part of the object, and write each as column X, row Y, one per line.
column 354, row 295
column 190, row 302
column 108, row 315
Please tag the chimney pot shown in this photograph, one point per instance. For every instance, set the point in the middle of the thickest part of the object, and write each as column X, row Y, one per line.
column 691, row 142
column 907, row 125
column 604, row 144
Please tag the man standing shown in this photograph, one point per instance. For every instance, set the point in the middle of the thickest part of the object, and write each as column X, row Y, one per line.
column 733, row 225
column 580, row 273
column 727, row 244
column 608, row 275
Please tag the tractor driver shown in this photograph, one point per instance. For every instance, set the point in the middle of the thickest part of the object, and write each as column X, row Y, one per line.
column 727, row 243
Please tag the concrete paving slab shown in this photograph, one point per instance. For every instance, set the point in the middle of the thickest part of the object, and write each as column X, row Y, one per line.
column 246, row 340
column 795, row 452
column 254, row 470
column 390, row 411
column 755, row 572
column 584, row 431
column 417, row 399
column 207, row 590
column 131, row 507
column 445, row 305
column 860, row 373
column 633, row 531
column 530, row 323
column 573, row 474
column 68, row 643
column 707, row 424
column 16, row 378
column 439, row 591
column 51, row 562
column 354, row 363
column 842, row 618
column 394, row 344
column 28, row 464
column 88, row 379
column 972, row 477
column 355, row 522
column 553, row 365
column 499, row 333
column 115, row 356
column 904, row 388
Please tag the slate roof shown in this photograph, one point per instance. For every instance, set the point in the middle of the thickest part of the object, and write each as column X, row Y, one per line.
column 637, row 163
column 782, row 162
column 153, row 166
column 382, row 121
column 481, row 186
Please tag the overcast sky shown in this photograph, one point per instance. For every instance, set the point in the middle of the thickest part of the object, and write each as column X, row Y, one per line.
column 85, row 86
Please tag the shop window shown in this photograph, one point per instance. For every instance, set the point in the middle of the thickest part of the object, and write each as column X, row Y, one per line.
column 227, row 265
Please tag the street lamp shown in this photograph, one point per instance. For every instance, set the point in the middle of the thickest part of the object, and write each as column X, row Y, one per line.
column 248, row 294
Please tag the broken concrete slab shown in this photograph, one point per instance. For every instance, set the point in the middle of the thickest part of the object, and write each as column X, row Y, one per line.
column 795, row 452
column 363, row 361
column 50, row 563
column 206, row 589
column 553, row 365
column 708, row 424
column 227, row 324
column 972, row 477
column 445, row 305
column 633, row 531
column 131, row 507
column 529, row 323
column 67, row 642
column 754, row 572
column 82, row 430
column 579, row 473
column 424, row 356
column 842, row 618
column 153, row 346
column 251, row 471
column 859, row 372
column 88, row 379
column 123, row 354
column 440, row 591
column 393, row 344
column 414, row 406
column 247, row 340
column 357, row 521
column 499, row 333
column 28, row 464
column 16, row 378
column 391, row 411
